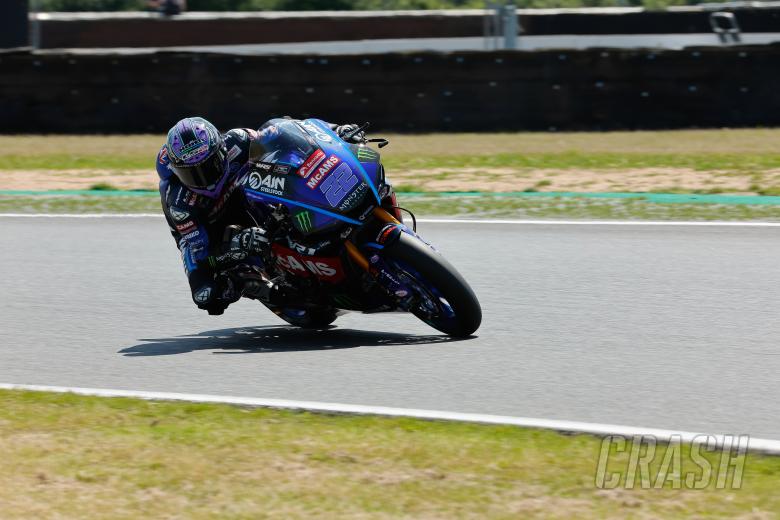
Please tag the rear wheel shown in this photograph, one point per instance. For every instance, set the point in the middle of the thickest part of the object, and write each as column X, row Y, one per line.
column 446, row 301
column 307, row 318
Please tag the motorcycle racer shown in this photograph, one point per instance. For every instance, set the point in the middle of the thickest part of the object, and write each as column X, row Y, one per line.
column 201, row 171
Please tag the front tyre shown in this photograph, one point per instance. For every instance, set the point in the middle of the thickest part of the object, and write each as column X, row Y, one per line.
column 447, row 302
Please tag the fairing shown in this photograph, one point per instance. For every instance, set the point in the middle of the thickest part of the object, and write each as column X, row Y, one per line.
column 319, row 178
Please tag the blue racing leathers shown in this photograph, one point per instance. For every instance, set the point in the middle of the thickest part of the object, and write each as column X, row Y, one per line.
column 198, row 222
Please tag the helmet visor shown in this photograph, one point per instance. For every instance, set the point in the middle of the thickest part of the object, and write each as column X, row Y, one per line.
column 203, row 175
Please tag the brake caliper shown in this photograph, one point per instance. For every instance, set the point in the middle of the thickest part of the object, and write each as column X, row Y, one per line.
column 391, row 283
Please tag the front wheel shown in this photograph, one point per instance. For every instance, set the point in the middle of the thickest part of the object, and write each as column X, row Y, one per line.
column 446, row 302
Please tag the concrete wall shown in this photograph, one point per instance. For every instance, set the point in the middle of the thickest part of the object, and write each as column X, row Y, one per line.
column 592, row 89
column 152, row 30
column 62, row 30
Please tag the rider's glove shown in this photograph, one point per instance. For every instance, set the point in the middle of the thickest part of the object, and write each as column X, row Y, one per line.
column 248, row 242
column 253, row 241
column 344, row 132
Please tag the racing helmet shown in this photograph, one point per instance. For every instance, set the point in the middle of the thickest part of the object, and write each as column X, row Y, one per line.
column 197, row 153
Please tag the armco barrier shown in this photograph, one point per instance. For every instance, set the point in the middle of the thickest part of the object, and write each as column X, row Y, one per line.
column 479, row 91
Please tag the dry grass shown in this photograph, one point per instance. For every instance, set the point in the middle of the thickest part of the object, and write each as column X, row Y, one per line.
column 710, row 161
column 82, row 145
column 76, row 457
column 634, row 180
column 448, row 179
column 44, row 180
column 724, row 141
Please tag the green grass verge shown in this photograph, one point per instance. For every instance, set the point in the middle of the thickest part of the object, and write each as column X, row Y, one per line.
column 68, row 456
column 583, row 208
column 747, row 161
column 466, row 207
column 590, row 161
column 738, row 163
column 737, row 150
column 78, row 204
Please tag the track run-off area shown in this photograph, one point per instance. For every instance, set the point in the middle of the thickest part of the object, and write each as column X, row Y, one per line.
column 655, row 325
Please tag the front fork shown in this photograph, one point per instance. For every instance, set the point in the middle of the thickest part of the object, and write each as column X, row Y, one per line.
column 355, row 254
column 374, row 265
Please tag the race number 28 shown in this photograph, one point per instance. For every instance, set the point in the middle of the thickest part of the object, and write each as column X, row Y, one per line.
column 338, row 184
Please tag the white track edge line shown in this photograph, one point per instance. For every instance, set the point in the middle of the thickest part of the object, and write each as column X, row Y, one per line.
column 754, row 444
column 706, row 223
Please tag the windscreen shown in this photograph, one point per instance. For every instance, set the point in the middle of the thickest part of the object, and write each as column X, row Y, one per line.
column 284, row 142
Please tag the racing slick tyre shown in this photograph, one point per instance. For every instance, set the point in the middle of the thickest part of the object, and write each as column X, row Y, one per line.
column 450, row 304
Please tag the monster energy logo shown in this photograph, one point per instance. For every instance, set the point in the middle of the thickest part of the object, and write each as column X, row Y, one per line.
column 367, row 154
column 303, row 220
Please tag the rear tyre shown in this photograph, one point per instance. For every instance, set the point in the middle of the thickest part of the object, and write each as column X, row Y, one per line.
column 307, row 318
column 457, row 311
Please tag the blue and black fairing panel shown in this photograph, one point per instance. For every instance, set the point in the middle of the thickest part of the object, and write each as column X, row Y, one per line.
column 351, row 175
column 313, row 172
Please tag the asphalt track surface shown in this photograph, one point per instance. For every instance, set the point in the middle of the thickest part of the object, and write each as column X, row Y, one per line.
column 659, row 326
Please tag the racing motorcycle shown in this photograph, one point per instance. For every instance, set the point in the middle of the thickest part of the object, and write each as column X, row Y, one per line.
column 339, row 241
